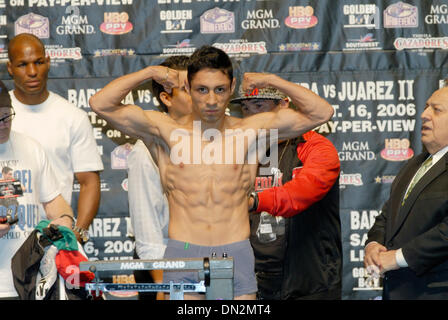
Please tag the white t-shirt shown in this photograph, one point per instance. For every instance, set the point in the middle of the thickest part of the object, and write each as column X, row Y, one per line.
column 65, row 132
column 31, row 167
column 148, row 206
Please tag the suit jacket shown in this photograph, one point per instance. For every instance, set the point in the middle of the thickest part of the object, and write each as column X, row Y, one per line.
column 420, row 228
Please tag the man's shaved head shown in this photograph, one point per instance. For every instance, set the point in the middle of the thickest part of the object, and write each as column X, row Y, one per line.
column 28, row 66
column 21, row 39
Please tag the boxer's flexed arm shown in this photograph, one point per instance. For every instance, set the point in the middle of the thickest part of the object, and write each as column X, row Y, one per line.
column 131, row 119
column 311, row 112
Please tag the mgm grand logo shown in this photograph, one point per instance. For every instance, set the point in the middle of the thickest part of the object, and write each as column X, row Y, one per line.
column 355, row 151
column 132, row 266
column 177, row 264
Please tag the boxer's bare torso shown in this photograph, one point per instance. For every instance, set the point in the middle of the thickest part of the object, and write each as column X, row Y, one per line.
column 208, row 201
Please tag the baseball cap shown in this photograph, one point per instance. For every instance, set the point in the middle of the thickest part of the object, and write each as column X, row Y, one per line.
column 269, row 93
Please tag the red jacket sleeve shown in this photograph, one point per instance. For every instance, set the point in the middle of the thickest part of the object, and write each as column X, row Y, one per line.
column 309, row 184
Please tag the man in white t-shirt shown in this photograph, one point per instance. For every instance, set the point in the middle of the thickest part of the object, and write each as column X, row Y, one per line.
column 31, row 167
column 61, row 128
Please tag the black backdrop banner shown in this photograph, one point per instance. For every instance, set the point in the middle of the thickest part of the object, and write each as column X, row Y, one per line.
column 375, row 61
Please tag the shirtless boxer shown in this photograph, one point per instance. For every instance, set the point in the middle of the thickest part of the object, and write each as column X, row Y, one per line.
column 208, row 202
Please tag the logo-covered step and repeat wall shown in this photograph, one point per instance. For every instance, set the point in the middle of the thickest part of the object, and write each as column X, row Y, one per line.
column 375, row 61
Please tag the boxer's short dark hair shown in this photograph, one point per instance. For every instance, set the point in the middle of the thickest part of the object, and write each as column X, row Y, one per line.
column 209, row 57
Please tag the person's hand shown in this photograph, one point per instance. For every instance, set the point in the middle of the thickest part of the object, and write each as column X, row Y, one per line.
column 251, row 202
column 372, row 252
column 63, row 221
column 78, row 236
column 388, row 261
column 66, row 222
column 168, row 78
column 4, row 228
column 252, row 80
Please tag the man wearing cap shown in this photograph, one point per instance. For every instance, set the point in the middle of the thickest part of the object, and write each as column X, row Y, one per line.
column 295, row 225
column 31, row 166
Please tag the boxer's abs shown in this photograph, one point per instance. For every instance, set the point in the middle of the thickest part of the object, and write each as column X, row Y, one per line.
column 208, row 203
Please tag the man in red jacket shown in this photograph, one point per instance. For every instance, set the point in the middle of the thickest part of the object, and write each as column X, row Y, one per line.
column 295, row 225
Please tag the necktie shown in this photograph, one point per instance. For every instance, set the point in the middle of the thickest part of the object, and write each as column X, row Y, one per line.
column 420, row 172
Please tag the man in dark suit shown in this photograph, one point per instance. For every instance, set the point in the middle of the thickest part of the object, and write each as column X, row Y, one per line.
column 408, row 243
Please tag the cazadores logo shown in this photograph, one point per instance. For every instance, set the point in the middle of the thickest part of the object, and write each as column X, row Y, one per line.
column 354, row 179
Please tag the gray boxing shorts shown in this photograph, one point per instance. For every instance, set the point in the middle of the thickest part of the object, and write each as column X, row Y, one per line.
column 244, row 281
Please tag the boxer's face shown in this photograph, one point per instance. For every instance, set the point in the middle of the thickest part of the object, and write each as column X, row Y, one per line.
column 210, row 91
column 435, row 121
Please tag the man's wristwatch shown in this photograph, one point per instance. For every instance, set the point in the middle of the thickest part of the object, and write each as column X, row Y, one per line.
column 84, row 234
column 254, row 207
